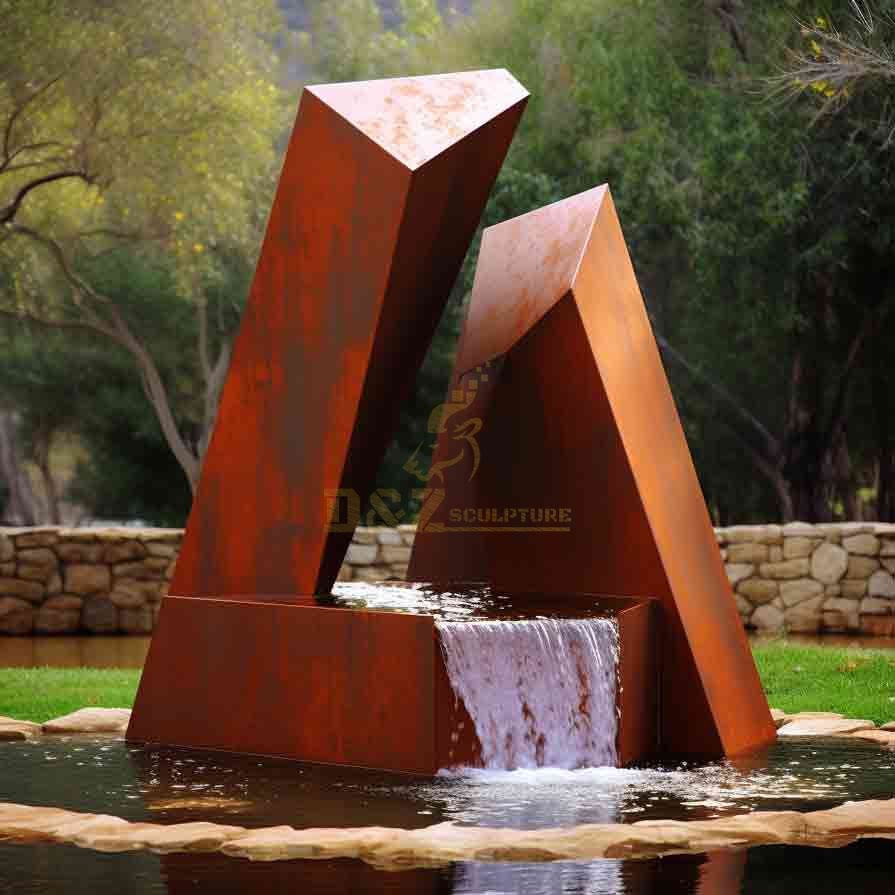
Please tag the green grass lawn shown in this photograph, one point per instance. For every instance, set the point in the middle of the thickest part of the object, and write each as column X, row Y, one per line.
column 859, row 683
column 38, row 694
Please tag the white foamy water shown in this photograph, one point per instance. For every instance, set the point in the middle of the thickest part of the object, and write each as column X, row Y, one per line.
column 541, row 692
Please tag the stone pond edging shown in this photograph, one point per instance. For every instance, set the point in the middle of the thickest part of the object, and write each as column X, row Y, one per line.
column 395, row 848
column 440, row 844
column 837, row 578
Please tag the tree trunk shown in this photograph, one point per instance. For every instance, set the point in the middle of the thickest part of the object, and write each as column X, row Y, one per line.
column 22, row 507
column 885, row 443
column 42, row 446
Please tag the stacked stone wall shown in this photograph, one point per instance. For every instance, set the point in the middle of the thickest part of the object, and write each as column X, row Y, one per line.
column 837, row 578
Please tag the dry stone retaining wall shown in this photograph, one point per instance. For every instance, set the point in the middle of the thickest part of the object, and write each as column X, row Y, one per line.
column 837, row 578
column 797, row 577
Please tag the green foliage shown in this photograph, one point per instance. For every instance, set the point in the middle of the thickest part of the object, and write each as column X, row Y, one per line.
column 760, row 234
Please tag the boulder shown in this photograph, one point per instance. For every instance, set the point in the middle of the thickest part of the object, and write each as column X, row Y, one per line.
column 737, row 572
column 853, row 590
column 805, row 618
column 36, row 537
column 167, row 551
column 365, row 536
column 10, row 729
column 390, row 536
column 35, row 573
column 100, row 615
column 85, row 580
column 751, row 534
column 881, row 584
column 800, row 530
column 829, row 563
column 840, row 615
column 796, row 547
column 757, row 590
column 56, row 621
column 124, row 551
column 823, row 727
column 84, row 552
column 798, row 590
column 16, row 616
column 789, row 568
column 394, row 554
column 64, row 602
column 136, row 621
column 40, row 557
column 860, row 568
column 747, row 553
column 151, row 568
column 24, row 590
column 862, row 544
column 361, row 554
column 767, row 618
column 90, row 720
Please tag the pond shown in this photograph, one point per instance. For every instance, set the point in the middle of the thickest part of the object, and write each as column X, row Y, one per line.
column 168, row 786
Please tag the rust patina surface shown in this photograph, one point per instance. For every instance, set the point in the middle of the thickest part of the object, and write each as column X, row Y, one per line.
column 381, row 191
column 582, row 479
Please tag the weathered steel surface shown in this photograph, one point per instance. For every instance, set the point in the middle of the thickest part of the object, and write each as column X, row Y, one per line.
column 577, row 419
column 299, row 681
column 639, row 669
column 382, row 188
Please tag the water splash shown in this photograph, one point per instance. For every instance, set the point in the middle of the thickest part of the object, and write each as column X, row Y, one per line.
column 541, row 692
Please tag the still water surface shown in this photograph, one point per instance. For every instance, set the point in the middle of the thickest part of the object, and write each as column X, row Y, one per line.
column 167, row 786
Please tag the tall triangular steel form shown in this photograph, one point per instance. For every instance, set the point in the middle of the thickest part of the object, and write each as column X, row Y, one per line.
column 582, row 480
column 382, row 189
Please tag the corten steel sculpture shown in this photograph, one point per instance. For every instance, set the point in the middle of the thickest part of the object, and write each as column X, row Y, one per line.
column 382, row 188
column 574, row 414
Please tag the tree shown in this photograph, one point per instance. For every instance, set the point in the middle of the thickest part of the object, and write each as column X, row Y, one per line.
column 760, row 233
column 138, row 124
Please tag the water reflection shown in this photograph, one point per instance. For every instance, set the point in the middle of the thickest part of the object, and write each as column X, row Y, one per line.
column 59, row 870
column 168, row 786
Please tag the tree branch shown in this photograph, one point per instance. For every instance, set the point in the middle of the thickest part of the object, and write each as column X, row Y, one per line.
column 17, row 112
column 118, row 330
column 772, row 443
column 10, row 211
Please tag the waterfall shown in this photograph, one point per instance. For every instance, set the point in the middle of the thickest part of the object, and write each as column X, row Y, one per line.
column 541, row 692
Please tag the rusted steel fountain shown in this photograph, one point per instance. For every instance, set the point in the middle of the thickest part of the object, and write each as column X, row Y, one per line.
column 563, row 411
